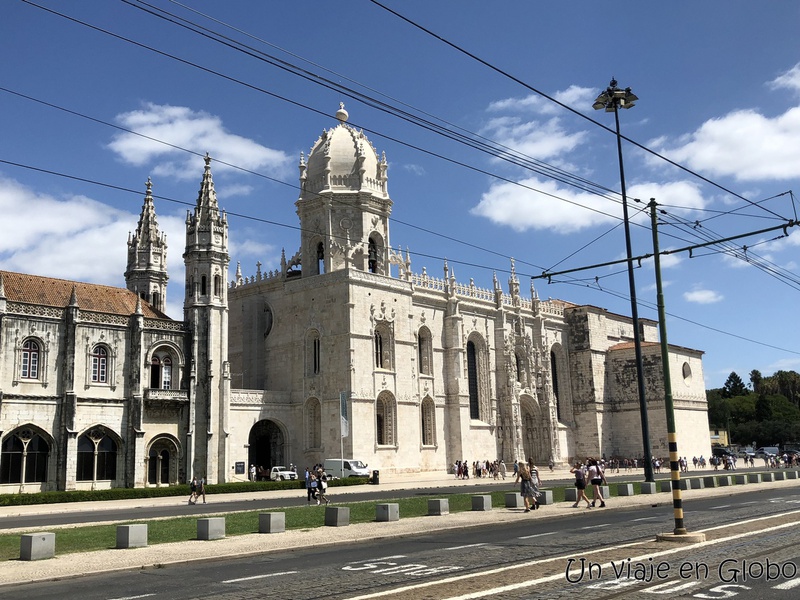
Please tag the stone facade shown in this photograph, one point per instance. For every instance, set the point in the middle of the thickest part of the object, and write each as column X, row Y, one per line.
column 341, row 349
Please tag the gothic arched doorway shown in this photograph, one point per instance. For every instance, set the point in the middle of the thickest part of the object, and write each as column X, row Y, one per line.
column 535, row 432
column 162, row 462
column 266, row 445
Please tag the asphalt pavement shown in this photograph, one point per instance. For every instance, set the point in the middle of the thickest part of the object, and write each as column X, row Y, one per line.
column 69, row 565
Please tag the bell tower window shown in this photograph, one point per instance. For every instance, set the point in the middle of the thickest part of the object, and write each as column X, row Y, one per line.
column 372, row 256
column 320, row 258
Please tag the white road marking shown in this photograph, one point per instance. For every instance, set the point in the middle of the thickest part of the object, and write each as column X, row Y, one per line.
column 528, row 583
column 645, row 519
column 467, row 546
column 527, row 537
column 259, row 577
column 787, row 585
column 721, row 506
column 133, row 597
column 596, row 526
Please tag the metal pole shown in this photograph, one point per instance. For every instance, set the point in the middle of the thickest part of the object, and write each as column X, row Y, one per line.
column 672, row 437
column 637, row 342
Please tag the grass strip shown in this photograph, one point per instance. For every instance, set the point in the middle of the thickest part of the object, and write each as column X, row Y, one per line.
column 159, row 531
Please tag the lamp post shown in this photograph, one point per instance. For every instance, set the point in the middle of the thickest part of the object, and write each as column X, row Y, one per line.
column 612, row 99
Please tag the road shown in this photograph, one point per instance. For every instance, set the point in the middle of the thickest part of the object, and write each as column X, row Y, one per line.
column 752, row 551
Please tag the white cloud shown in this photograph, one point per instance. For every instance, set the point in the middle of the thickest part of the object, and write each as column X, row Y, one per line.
column 744, row 144
column 574, row 96
column 538, row 139
column 788, row 80
column 81, row 239
column 675, row 197
column 415, row 169
column 523, row 209
column 196, row 131
column 701, row 296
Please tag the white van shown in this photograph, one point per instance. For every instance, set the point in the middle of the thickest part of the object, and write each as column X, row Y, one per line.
column 349, row 467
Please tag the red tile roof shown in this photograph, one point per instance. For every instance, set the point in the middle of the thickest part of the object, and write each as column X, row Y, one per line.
column 47, row 291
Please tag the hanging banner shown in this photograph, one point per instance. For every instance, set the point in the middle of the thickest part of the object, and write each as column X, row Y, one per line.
column 343, row 413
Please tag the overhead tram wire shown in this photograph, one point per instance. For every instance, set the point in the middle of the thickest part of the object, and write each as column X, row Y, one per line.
column 244, row 216
column 269, row 93
column 255, row 87
column 301, row 105
column 297, row 228
column 740, row 253
column 244, row 170
column 652, row 306
column 306, row 107
column 566, row 106
column 472, row 140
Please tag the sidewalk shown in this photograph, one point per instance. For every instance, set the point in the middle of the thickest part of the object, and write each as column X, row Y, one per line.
column 70, row 565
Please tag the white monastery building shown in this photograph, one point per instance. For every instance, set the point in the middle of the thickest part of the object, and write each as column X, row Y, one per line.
column 342, row 348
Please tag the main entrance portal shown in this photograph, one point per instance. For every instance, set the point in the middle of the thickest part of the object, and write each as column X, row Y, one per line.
column 266, row 443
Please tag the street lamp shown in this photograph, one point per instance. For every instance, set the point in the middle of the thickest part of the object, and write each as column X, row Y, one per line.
column 612, row 99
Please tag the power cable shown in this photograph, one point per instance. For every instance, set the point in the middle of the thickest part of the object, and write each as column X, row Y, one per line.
column 563, row 105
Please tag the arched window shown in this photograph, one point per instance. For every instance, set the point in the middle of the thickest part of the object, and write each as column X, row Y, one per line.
column 99, row 364
column 472, row 381
column 313, row 424
column 320, row 258
column 157, row 301
column 383, row 346
column 372, row 256
column 554, row 373
column 385, row 420
column 30, row 360
column 203, row 286
column 378, row 350
column 158, row 466
column 24, row 452
column 161, row 370
column 313, row 357
column 425, row 351
column 97, row 456
column 518, row 367
column 166, row 373
column 217, row 285
column 428, row 422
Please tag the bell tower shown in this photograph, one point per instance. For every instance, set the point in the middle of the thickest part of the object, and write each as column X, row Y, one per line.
column 205, row 309
column 146, row 273
column 344, row 203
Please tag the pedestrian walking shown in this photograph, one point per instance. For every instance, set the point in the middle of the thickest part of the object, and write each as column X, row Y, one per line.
column 526, row 488
column 193, row 488
column 595, row 474
column 201, row 490
column 322, row 487
column 580, row 485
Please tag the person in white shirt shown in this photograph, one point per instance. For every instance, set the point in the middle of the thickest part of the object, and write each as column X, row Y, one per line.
column 596, row 477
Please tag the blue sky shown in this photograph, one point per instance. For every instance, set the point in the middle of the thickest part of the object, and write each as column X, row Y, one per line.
column 719, row 89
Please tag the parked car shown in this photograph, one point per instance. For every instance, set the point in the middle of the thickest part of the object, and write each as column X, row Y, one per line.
column 746, row 453
column 767, row 451
column 281, row 473
column 720, row 452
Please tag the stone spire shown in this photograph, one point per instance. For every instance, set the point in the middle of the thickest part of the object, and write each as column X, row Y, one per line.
column 146, row 272
column 207, row 211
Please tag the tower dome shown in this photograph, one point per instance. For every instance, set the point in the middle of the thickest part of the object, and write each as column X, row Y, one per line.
column 343, row 160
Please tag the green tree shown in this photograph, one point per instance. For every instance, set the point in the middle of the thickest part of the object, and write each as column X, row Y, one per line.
column 719, row 411
column 764, row 408
column 787, row 383
column 734, row 386
column 743, row 408
column 755, row 380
